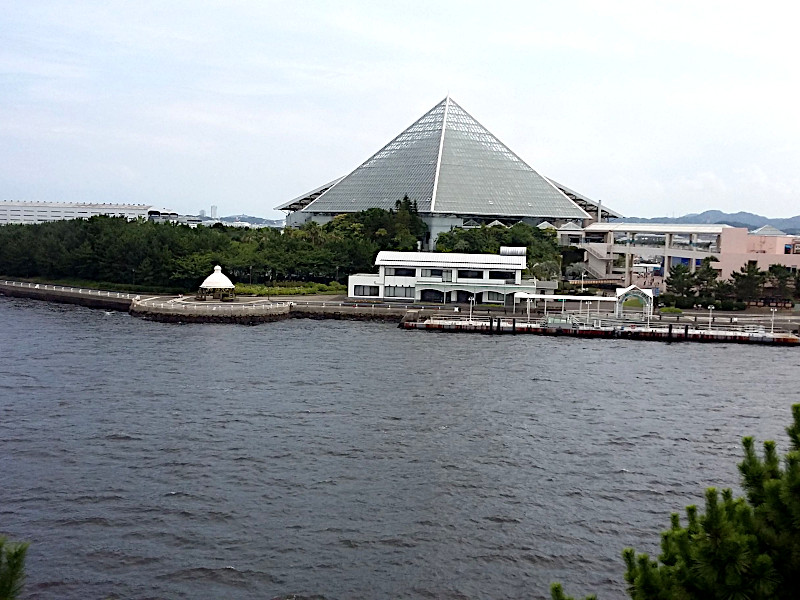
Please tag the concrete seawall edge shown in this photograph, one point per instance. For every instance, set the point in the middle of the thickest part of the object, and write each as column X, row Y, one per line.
column 234, row 314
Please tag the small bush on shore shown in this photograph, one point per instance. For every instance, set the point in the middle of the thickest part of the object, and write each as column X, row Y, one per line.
column 290, row 288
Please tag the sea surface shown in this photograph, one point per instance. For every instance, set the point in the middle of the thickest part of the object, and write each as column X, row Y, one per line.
column 345, row 460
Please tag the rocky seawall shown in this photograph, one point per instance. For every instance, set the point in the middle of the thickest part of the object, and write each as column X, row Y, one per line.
column 210, row 313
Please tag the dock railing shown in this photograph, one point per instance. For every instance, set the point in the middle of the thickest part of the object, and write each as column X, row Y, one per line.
column 68, row 289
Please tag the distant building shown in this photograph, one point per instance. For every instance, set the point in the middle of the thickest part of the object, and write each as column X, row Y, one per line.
column 213, row 212
column 12, row 212
column 613, row 250
column 447, row 277
column 203, row 214
column 764, row 247
column 163, row 216
column 457, row 173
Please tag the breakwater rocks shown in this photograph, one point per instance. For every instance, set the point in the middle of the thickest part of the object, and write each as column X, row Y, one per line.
column 239, row 318
column 179, row 310
column 348, row 312
column 251, row 311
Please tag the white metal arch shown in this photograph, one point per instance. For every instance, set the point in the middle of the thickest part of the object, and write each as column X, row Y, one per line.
column 646, row 296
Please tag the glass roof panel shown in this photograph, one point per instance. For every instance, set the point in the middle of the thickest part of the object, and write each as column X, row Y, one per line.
column 405, row 166
column 480, row 175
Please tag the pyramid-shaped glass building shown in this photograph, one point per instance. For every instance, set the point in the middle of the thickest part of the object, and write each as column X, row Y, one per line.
column 457, row 172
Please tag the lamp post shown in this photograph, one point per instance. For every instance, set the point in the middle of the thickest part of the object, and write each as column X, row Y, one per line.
column 583, row 274
column 772, row 320
column 471, row 304
column 710, row 315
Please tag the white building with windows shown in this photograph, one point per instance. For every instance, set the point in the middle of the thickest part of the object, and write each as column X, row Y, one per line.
column 447, row 277
column 24, row 213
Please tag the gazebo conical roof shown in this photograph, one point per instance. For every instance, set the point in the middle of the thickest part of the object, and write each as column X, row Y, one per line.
column 217, row 281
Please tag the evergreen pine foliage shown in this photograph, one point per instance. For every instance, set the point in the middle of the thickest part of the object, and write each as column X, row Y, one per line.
column 557, row 593
column 162, row 255
column 680, row 281
column 738, row 548
column 542, row 246
column 12, row 569
column 749, row 282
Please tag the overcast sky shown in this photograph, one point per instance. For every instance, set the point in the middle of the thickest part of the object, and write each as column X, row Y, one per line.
column 656, row 110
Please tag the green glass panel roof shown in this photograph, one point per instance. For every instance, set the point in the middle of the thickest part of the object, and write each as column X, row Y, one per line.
column 479, row 175
column 463, row 171
column 406, row 166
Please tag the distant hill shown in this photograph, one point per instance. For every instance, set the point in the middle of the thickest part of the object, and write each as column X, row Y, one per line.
column 739, row 219
column 253, row 220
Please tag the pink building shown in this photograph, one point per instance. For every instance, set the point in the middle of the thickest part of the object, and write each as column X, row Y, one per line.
column 615, row 250
column 765, row 246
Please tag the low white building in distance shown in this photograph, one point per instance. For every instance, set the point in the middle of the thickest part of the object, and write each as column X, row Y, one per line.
column 447, row 277
column 24, row 213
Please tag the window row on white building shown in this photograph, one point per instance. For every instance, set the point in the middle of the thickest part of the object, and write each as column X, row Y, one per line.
column 28, row 213
column 447, row 277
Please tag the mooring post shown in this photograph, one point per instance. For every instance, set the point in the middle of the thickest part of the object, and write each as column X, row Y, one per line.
column 514, row 326
column 669, row 333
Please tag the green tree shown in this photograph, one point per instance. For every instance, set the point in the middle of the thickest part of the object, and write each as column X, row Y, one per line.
column 724, row 290
column 542, row 246
column 680, row 281
column 12, row 569
column 557, row 593
column 748, row 283
column 779, row 276
column 705, row 278
column 739, row 548
column 572, row 255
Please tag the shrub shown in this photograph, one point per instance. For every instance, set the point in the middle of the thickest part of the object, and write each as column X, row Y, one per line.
column 12, row 569
column 294, row 288
column 743, row 548
column 668, row 299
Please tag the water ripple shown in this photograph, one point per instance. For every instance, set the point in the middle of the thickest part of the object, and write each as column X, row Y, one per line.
column 332, row 460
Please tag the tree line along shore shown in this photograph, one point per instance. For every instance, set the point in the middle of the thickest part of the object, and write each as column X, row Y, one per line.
column 170, row 258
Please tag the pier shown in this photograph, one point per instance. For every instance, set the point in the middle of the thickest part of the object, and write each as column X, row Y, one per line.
column 571, row 326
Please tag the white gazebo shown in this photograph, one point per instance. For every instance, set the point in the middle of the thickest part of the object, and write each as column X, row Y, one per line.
column 217, row 285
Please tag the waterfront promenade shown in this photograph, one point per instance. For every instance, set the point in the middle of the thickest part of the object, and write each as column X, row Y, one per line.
column 251, row 310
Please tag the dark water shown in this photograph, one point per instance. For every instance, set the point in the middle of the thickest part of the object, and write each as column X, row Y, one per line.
column 355, row 460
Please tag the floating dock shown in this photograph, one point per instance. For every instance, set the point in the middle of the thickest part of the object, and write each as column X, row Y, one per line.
column 571, row 327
